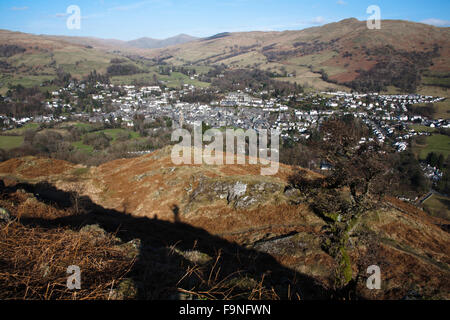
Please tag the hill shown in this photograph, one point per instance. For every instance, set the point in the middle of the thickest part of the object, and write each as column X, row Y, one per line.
column 30, row 60
column 113, row 44
column 98, row 43
column 340, row 52
column 400, row 57
column 149, row 43
column 252, row 228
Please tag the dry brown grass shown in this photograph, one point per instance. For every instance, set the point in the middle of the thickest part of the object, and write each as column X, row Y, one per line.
column 33, row 167
column 270, row 217
column 25, row 205
column 34, row 262
column 212, row 285
column 38, row 246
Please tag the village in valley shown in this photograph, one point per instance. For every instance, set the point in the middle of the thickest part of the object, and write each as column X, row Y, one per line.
column 388, row 116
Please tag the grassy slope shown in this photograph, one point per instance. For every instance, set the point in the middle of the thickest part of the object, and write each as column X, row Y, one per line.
column 81, row 146
column 44, row 55
column 436, row 143
column 421, row 128
column 112, row 133
column 10, row 142
column 21, row 130
column 349, row 35
column 442, row 109
column 438, row 206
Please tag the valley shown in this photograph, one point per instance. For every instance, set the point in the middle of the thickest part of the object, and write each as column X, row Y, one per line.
column 88, row 178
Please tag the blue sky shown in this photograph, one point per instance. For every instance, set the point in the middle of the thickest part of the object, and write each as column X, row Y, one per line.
column 131, row 19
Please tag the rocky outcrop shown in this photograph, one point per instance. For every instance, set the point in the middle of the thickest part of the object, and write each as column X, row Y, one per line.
column 238, row 194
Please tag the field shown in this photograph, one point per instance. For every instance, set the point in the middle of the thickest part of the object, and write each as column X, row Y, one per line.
column 83, row 125
column 10, row 142
column 245, row 60
column 421, row 128
column 442, row 110
column 111, row 133
column 441, row 79
column 438, row 206
column 83, row 61
column 80, row 146
column 313, row 82
column 15, row 137
column 437, row 143
column 175, row 80
column 35, row 67
column 21, row 130
column 314, row 60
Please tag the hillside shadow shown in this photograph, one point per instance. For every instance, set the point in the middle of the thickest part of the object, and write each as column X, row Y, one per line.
column 158, row 267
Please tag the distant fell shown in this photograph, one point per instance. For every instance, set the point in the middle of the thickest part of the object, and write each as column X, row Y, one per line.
column 150, row 43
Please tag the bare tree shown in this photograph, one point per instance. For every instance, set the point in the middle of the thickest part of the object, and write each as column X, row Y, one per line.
column 359, row 169
column 357, row 166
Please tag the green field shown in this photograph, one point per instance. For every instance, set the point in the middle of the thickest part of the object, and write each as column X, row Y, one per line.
column 37, row 67
column 21, row 130
column 437, row 143
column 174, row 80
column 113, row 133
column 22, row 79
column 177, row 79
column 128, row 80
column 83, row 125
column 438, row 206
column 80, row 146
column 436, row 79
column 442, row 109
column 80, row 61
column 421, row 128
column 10, row 142
column 16, row 140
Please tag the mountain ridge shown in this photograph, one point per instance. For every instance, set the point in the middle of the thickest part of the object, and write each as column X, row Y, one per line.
column 338, row 52
column 111, row 43
column 402, row 56
column 151, row 43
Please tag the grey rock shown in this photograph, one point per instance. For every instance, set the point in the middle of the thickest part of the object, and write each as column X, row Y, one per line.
column 132, row 248
column 94, row 230
column 236, row 191
column 238, row 194
column 126, row 290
